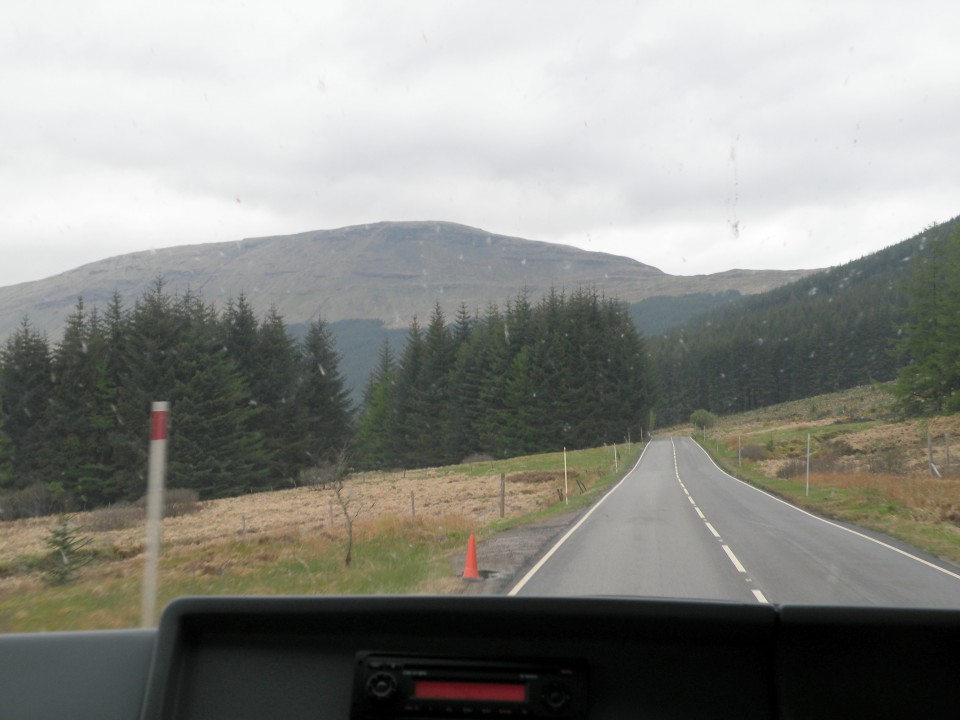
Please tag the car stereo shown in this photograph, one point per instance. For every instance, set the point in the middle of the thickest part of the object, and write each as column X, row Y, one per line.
column 405, row 687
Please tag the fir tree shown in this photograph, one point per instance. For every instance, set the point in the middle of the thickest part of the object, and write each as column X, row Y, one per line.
column 27, row 381
column 409, row 441
column 324, row 400
column 82, row 415
column 273, row 387
column 930, row 382
column 374, row 448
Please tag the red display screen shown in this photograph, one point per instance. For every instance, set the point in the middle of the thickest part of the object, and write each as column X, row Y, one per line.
column 456, row 690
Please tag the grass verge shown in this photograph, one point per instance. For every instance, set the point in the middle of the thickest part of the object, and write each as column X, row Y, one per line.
column 600, row 479
column 391, row 555
column 921, row 511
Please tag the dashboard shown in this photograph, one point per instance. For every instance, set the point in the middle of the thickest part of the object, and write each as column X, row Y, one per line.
column 322, row 658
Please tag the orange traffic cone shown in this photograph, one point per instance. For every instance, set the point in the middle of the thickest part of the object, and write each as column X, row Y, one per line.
column 470, row 566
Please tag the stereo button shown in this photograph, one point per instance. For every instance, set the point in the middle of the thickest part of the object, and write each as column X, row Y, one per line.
column 382, row 687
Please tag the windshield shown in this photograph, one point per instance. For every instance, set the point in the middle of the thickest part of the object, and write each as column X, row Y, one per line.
column 460, row 298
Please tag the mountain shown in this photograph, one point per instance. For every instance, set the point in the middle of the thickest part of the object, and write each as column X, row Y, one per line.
column 387, row 271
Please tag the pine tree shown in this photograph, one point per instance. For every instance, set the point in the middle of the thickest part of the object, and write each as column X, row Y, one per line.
column 374, row 447
column 930, row 382
column 82, row 415
column 6, row 452
column 147, row 372
column 213, row 448
column 571, row 372
column 323, row 397
column 434, row 382
column 493, row 362
column 27, row 382
column 466, row 381
column 273, row 387
column 521, row 429
column 238, row 329
column 409, row 442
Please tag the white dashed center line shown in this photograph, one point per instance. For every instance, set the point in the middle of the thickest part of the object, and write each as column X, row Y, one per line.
column 713, row 531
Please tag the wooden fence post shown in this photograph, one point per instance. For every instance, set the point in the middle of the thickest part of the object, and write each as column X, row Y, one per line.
column 503, row 493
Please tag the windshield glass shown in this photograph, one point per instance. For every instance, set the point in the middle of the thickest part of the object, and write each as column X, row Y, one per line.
column 549, row 299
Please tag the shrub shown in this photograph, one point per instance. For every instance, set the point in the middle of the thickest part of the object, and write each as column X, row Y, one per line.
column 113, row 517
column 176, row 502
column 180, row 501
column 888, row 461
column 67, row 554
column 703, row 418
column 754, row 452
column 797, row 467
column 476, row 457
column 33, row 501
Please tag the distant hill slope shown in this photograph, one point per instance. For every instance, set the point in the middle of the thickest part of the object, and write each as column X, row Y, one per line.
column 829, row 331
column 386, row 271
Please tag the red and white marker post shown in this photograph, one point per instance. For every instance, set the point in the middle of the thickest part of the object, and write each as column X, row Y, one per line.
column 157, row 468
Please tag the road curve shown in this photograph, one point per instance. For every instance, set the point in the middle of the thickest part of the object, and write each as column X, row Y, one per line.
column 678, row 526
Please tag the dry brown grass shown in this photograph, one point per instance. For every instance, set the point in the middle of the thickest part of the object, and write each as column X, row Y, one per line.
column 927, row 499
column 439, row 494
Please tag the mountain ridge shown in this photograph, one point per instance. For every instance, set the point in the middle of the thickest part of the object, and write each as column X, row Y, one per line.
column 391, row 271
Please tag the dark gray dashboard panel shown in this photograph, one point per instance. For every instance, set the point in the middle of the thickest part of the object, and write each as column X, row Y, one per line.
column 295, row 658
column 75, row 675
column 868, row 662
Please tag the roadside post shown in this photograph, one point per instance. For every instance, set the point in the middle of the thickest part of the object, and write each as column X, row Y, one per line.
column 159, row 422
column 503, row 493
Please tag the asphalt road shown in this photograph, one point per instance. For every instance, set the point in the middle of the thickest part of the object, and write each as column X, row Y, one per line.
column 677, row 526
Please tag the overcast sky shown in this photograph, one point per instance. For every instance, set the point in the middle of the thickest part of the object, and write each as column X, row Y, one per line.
column 748, row 135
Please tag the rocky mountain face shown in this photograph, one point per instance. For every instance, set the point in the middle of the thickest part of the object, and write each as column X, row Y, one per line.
column 389, row 271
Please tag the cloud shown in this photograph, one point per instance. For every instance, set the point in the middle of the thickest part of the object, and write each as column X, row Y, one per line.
column 693, row 139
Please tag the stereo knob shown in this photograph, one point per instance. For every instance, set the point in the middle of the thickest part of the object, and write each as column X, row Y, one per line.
column 555, row 697
column 382, row 687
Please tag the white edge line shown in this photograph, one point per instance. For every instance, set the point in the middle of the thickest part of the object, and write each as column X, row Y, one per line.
column 542, row 561
column 733, row 558
column 929, row 564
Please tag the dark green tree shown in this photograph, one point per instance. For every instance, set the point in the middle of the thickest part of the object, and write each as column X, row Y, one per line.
column 930, row 381
column 147, row 372
column 435, row 390
column 6, row 452
column 274, row 383
column 521, row 429
column 327, row 418
column 410, row 442
column 26, row 376
column 374, row 446
column 239, row 334
column 493, row 361
column 82, row 415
